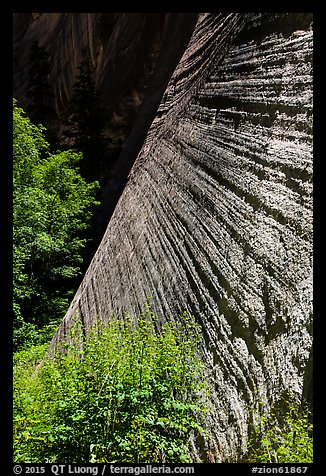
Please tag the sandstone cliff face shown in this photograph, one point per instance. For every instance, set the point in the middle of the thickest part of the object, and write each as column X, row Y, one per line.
column 216, row 216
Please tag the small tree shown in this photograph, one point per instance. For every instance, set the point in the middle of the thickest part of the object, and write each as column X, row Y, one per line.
column 40, row 93
column 51, row 209
column 86, row 122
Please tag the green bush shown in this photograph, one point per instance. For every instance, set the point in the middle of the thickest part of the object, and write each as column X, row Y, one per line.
column 125, row 393
column 282, row 436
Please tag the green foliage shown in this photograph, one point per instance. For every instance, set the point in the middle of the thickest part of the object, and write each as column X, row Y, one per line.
column 282, row 436
column 51, row 209
column 126, row 393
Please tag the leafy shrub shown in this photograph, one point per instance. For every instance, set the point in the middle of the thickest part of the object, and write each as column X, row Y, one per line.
column 282, row 436
column 125, row 393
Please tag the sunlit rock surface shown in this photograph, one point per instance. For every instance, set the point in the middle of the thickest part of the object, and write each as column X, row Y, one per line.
column 216, row 216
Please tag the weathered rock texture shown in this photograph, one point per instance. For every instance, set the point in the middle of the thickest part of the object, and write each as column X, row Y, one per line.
column 216, row 216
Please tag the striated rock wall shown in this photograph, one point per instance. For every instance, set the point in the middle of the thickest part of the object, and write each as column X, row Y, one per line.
column 216, row 216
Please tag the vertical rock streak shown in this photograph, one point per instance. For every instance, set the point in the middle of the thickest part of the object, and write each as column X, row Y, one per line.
column 216, row 217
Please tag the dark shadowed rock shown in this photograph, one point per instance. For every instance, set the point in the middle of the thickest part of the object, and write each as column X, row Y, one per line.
column 216, row 214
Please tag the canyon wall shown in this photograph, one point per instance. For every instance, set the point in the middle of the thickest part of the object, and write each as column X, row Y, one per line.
column 124, row 51
column 215, row 216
